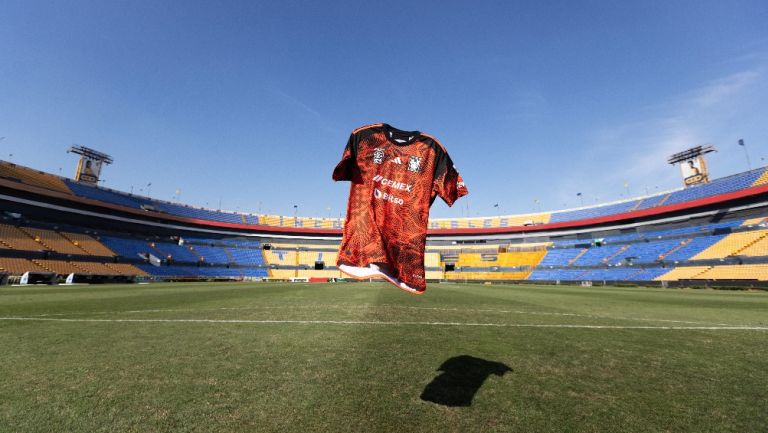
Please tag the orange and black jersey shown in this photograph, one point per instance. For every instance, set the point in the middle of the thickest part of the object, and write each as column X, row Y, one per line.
column 395, row 175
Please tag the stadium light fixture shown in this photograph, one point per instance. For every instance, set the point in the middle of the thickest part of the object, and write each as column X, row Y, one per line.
column 744, row 146
column 91, row 153
column 691, row 153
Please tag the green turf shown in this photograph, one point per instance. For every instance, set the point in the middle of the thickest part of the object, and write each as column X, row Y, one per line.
column 367, row 371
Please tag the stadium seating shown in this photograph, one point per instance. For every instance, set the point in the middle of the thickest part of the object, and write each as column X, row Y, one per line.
column 480, row 276
column 88, row 244
column 683, row 273
column 593, row 212
column 648, row 274
column 60, row 267
column 732, row 245
column 692, row 247
column 53, row 241
column 213, row 254
column 645, row 252
column 559, row 257
column 246, row 256
column 558, row 274
column 125, row 269
column 201, row 271
column 283, row 273
column 697, row 251
column 717, row 186
column 652, row 201
column 106, row 195
column 323, row 273
column 94, row 268
column 281, row 257
column 598, row 256
column 736, row 272
column 763, row 179
column 178, row 253
column 757, row 249
column 198, row 213
column 130, row 248
column 753, row 221
column 32, row 177
column 14, row 238
column 19, row 266
column 614, row 274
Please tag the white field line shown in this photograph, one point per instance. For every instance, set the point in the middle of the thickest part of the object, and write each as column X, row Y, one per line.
column 371, row 307
column 383, row 323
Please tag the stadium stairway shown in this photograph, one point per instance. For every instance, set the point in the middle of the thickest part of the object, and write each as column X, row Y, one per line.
column 677, row 248
column 578, row 256
column 663, row 200
column 617, row 253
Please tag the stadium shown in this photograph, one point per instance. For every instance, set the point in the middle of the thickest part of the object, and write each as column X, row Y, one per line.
column 568, row 234
column 173, row 317
column 706, row 235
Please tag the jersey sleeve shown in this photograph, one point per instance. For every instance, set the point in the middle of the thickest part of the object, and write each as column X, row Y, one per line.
column 346, row 168
column 448, row 183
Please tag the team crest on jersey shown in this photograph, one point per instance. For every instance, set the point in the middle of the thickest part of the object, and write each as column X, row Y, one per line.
column 378, row 155
column 414, row 164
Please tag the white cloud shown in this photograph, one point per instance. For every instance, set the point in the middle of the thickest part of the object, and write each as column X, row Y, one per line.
column 721, row 90
column 636, row 152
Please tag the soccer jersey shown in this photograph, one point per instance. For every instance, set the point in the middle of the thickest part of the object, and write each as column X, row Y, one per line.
column 396, row 176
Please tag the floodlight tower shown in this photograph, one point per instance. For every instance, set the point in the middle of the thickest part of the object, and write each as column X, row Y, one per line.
column 693, row 167
column 89, row 165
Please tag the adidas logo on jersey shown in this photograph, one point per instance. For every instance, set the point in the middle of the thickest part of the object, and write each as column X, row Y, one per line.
column 396, row 160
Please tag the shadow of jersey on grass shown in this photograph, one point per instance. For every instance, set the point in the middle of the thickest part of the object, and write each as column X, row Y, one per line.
column 461, row 378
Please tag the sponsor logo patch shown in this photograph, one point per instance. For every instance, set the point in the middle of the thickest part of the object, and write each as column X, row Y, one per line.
column 378, row 156
column 392, row 183
column 387, row 197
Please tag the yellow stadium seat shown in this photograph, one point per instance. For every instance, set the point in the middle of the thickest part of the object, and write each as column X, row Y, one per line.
column 33, row 177
column 732, row 244
column 737, row 272
column 19, row 266
column 14, row 238
column 683, row 273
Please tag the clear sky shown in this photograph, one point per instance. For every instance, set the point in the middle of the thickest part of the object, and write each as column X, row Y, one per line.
column 250, row 103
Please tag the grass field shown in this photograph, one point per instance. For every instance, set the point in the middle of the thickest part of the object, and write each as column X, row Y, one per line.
column 359, row 357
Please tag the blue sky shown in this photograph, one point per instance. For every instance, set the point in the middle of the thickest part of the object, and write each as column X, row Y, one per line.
column 250, row 103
